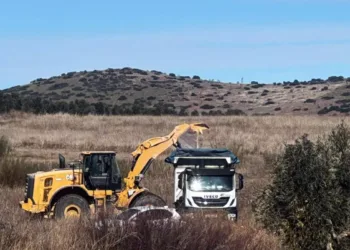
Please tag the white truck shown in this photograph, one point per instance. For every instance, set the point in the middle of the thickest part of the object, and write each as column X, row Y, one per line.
column 206, row 178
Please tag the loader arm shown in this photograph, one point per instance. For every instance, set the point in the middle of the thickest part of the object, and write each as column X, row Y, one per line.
column 149, row 150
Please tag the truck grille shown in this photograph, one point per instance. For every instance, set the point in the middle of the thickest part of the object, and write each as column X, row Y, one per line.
column 210, row 202
column 28, row 192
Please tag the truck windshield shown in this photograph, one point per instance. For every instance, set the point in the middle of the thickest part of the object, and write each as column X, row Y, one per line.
column 210, row 183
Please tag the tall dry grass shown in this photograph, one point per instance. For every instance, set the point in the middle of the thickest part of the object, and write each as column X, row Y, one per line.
column 19, row 231
column 38, row 139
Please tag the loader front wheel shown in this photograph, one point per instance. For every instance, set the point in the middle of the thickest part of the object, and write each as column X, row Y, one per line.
column 71, row 206
column 148, row 200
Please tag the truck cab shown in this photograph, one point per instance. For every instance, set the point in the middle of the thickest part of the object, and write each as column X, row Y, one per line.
column 206, row 179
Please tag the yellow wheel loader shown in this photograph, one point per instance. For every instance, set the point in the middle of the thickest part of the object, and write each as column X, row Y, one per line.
column 93, row 182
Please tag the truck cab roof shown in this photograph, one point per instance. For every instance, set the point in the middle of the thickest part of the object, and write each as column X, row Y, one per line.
column 201, row 153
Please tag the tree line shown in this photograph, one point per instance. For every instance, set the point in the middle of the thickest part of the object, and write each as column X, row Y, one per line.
column 37, row 105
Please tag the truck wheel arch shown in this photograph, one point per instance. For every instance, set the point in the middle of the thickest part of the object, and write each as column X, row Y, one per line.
column 69, row 190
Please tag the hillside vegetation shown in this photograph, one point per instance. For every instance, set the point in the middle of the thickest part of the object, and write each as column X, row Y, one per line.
column 131, row 91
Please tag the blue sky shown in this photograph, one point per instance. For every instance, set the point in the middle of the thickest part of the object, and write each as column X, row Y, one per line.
column 266, row 40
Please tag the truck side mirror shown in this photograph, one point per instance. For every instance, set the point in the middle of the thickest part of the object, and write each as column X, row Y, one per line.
column 240, row 182
column 62, row 161
column 179, row 184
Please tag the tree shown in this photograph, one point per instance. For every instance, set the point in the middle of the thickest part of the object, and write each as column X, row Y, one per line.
column 335, row 78
column 308, row 201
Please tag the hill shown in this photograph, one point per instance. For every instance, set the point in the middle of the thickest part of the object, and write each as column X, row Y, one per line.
column 135, row 91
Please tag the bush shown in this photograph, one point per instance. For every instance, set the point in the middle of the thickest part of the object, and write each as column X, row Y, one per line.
column 196, row 77
column 195, row 113
column 235, row 112
column 308, row 200
column 77, row 89
column 139, row 71
column 327, row 97
column 122, row 98
column 207, row 106
column 151, row 98
column 256, row 86
column 335, row 79
column 58, row 86
column 172, row 75
column 310, row 101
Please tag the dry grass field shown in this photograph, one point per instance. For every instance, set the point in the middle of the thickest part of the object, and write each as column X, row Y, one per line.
column 39, row 139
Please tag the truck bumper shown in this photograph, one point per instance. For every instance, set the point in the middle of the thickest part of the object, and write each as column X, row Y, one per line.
column 30, row 207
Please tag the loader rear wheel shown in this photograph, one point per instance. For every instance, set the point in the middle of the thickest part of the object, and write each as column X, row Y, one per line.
column 71, row 206
column 148, row 200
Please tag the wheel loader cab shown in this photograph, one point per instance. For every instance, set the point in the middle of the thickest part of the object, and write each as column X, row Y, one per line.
column 100, row 171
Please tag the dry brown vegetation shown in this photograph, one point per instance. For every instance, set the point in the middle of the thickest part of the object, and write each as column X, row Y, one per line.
column 38, row 139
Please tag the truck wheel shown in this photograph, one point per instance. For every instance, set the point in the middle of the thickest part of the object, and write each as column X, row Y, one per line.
column 71, row 206
column 148, row 200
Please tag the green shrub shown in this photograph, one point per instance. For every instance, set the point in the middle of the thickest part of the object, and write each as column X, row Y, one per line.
column 310, row 101
column 195, row 113
column 122, row 98
column 151, row 98
column 207, row 106
column 58, row 86
column 256, row 86
column 327, row 97
column 235, row 112
column 308, row 201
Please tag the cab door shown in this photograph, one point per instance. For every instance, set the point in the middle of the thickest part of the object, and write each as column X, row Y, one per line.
column 100, row 173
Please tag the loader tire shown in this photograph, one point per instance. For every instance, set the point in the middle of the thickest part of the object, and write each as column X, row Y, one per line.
column 71, row 206
column 148, row 200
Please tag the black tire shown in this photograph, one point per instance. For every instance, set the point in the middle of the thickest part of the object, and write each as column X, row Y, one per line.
column 71, row 203
column 148, row 199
